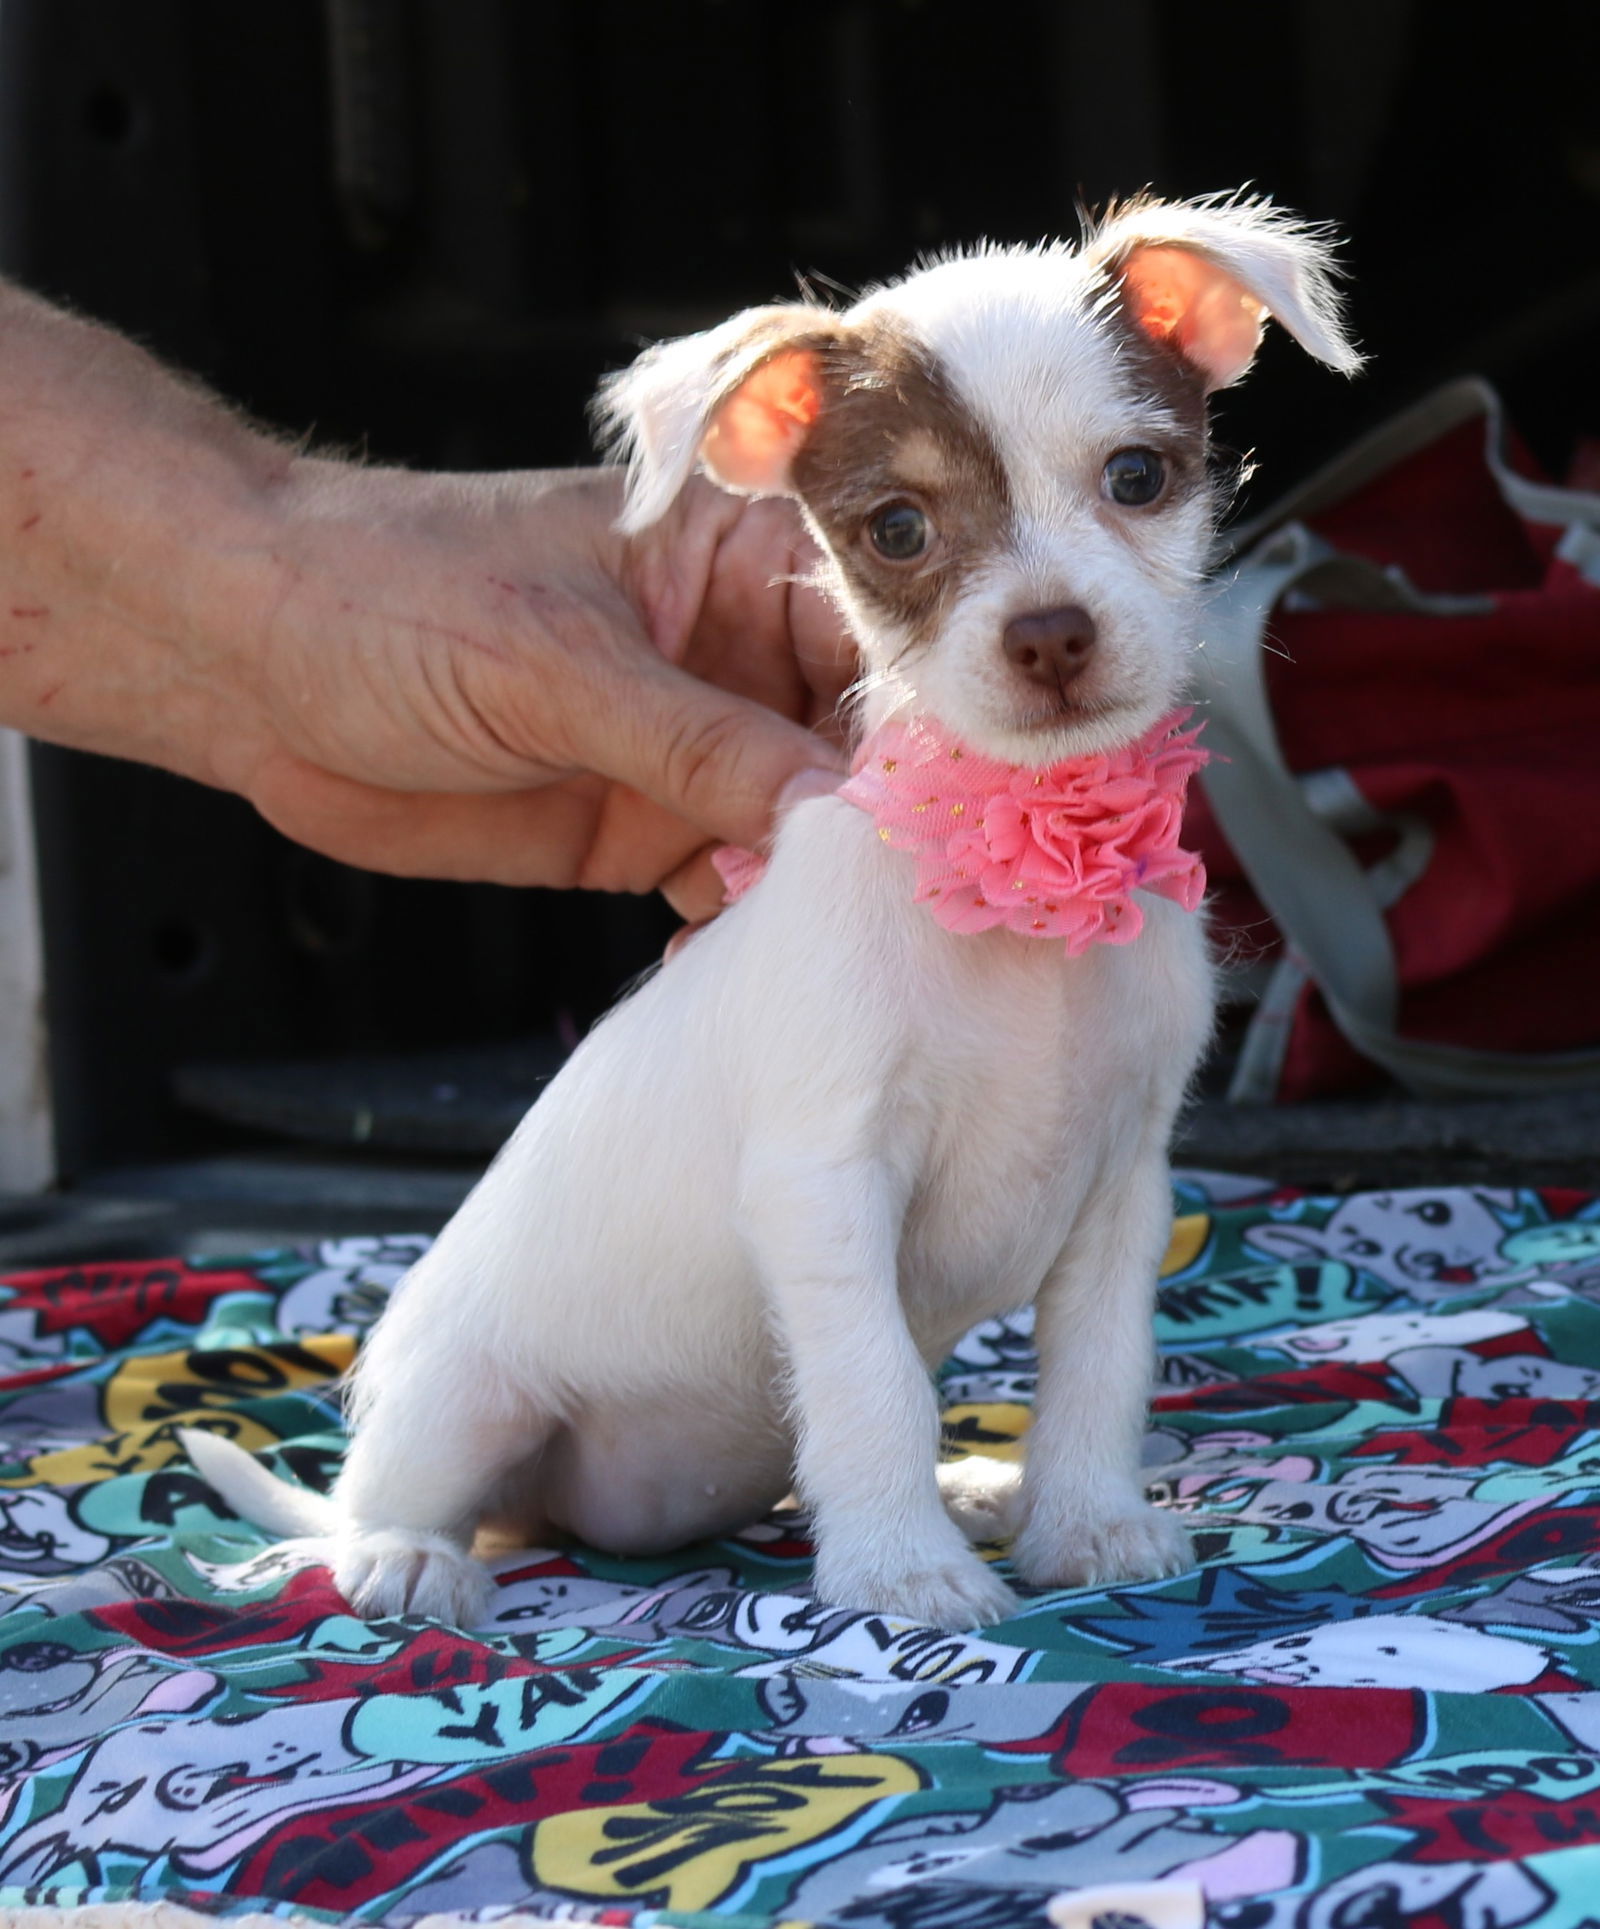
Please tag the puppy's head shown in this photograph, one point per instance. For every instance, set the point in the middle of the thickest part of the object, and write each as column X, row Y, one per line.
column 1003, row 455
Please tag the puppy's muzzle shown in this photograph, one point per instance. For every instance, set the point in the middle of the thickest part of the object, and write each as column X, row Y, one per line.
column 1050, row 647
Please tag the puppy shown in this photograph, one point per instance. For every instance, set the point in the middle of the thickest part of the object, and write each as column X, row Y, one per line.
column 720, row 1256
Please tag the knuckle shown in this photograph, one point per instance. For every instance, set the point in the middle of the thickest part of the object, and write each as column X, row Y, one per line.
column 699, row 754
column 609, row 865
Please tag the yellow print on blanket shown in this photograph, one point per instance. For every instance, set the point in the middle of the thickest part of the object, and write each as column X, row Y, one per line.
column 151, row 1394
column 1191, row 1234
column 993, row 1428
column 689, row 1850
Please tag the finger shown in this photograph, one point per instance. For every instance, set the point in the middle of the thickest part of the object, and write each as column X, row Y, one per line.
column 828, row 655
column 723, row 763
column 583, row 833
column 764, row 628
column 540, row 836
column 694, row 890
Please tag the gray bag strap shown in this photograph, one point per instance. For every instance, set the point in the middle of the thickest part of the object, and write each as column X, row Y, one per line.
column 1471, row 398
column 1286, row 831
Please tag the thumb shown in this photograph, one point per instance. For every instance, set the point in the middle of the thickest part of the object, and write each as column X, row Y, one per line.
column 725, row 764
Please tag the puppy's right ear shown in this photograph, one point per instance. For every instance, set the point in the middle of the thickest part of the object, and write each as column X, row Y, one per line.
column 741, row 398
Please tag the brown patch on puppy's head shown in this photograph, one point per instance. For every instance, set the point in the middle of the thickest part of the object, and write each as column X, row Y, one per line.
column 891, row 430
column 1159, row 373
column 1169, row 391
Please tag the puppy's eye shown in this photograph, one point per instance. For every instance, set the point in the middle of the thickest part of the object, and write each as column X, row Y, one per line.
column 899, row 532
column 1134, row 477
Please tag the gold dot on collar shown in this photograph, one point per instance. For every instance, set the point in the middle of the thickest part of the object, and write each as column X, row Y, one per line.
column 890, row 765
column 955, row 756
column 883, row 834
column 958, row 810
column 919, row 807
column 1038, row 779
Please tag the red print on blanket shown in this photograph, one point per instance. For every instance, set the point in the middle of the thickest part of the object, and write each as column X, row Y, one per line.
column 1126, row 1726
column 114, row 1304
column 1482, row 1819
column 1480, row 1433
column 370, row 1847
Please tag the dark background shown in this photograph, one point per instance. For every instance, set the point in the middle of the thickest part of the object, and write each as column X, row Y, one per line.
column 423, row 228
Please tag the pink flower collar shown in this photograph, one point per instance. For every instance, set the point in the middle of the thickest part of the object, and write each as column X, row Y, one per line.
column 1052, row 853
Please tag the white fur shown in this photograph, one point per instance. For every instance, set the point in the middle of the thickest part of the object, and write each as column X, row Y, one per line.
column 722, row 1252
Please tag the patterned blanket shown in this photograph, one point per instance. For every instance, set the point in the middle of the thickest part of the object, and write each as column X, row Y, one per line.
column 1376, row 1700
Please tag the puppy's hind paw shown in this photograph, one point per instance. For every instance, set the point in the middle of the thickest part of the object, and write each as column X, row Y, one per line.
column 951, row 1593
column 396, row 1570
column 982, row 1496
column 1142, row 1543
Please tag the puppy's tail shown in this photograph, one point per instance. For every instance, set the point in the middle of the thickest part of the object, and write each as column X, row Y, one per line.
column 251, row 1491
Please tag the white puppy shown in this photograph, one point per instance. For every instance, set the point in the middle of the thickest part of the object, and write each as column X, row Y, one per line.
column 720, row 1255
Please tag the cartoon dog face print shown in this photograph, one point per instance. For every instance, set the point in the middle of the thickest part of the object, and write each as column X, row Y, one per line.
column 776, row 1630
column 825, row 1716
column 543, row 1593
column 1471, row 1895
column 1050, row 1837
column 1429, row 1244
column 1381, row 1651
column 39, row 1535
column 1451, row 1372
column 201, row 1792
column 779, row 1629
column 1555, row 1600
column 1379, row 1336
column 353, row 1282
column 53, row 1699
column 1403, row 1517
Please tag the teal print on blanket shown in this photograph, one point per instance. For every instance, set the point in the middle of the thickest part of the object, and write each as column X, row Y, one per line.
column 1262, row 1299
column 482, row 1721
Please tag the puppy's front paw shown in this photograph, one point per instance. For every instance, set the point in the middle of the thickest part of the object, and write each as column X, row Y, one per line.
column 1141, row 1543
column 397, row 1570
column 943, row 1588
column 982, row 1496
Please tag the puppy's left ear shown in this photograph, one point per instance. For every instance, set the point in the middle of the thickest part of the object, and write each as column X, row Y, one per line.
column 1201, row 278
column 739, row 399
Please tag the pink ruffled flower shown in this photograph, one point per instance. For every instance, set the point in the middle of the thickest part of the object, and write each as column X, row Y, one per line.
column 1053, row 853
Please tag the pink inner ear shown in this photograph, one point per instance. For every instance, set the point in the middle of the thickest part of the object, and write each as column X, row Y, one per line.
column 1181, row 298
column 757, row 432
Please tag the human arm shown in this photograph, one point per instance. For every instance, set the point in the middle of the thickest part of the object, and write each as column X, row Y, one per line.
column 457, row 676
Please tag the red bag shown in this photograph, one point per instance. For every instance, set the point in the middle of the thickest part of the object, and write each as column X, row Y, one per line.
column 1407, row 774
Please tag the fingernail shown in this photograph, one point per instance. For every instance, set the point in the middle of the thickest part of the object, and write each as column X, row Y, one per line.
column 805, row 784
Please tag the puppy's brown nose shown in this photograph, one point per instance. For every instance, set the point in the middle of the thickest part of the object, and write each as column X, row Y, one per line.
column 1050, row 647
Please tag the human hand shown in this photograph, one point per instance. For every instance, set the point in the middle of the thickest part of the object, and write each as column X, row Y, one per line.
column 438, row 675
column 477, row 677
